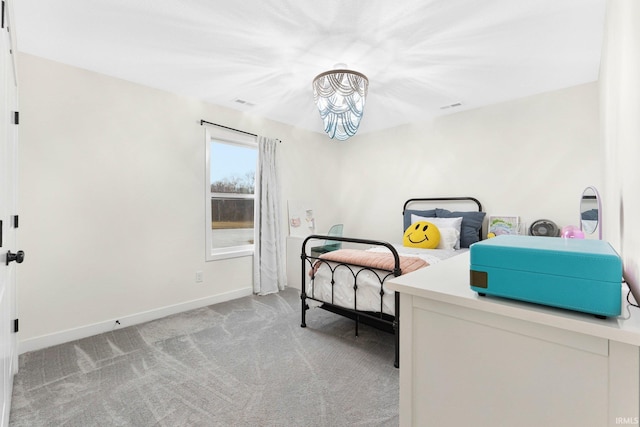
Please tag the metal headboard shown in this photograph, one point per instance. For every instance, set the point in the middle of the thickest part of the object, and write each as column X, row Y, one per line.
column 446, row 199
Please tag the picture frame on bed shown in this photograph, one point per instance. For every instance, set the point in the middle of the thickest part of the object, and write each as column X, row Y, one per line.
column 503, row 224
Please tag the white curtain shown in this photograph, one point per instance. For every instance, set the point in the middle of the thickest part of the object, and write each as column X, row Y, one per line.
column 269, row 265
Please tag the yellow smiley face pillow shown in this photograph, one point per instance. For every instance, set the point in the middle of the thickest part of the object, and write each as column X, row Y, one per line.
column 421, row 234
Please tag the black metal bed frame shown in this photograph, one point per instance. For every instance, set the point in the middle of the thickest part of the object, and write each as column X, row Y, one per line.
column 379, row 319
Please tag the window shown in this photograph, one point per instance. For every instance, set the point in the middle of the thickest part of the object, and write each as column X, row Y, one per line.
column 230, row 193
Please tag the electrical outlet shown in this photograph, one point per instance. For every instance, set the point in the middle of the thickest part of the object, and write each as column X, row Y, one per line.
column 198, row 276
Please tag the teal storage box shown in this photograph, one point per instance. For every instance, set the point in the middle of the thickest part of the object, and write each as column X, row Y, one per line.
column 576, row 274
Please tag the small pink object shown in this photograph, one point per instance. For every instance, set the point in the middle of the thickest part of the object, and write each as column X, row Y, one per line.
column 571, row 232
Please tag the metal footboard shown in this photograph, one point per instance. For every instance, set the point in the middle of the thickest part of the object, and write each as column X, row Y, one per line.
column 377, row 319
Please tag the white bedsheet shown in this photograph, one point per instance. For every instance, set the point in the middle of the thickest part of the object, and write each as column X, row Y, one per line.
column 367, row 296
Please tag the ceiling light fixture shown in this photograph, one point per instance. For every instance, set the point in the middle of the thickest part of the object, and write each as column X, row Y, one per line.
column 340, row 94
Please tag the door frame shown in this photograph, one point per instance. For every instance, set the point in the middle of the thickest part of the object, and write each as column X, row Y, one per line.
column 9, row 118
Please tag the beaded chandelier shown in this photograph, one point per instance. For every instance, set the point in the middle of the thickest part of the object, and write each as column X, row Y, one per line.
column 340, row 95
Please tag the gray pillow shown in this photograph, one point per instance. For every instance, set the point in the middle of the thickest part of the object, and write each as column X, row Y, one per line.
column 431, row 213
column 471, row 225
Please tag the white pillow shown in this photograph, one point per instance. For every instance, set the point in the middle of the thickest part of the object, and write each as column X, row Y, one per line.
column 449, row 230
column 449, row 238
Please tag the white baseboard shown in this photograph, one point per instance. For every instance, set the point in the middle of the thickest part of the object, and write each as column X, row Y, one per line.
column 61, row 337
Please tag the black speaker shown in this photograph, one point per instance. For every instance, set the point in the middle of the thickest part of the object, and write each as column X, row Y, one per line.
column 543, row 227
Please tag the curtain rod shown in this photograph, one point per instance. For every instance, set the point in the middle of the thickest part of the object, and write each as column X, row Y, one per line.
column 227, row 127
column 233, row 129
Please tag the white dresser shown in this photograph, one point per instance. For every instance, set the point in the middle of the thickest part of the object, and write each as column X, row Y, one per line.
column 467, row 360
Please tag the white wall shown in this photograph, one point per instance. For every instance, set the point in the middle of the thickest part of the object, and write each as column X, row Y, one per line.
column 111, row 195
column 530, row 157
column 620, row 93
column 112, row 177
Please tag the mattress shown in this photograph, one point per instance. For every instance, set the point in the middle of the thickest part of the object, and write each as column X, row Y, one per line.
column 367, row 296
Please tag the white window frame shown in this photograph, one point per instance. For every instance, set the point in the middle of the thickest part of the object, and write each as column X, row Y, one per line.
column 235, row 138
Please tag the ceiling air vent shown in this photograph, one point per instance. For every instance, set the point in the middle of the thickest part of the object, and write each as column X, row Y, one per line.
column 243, row 102
column 456, row 104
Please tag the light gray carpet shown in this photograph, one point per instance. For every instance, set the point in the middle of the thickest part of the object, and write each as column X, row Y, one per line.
column 245, row 362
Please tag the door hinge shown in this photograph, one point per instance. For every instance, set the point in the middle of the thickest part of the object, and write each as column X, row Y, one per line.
column 0, row 233
column 16, row 117
column 15, row 221
column 15, row 326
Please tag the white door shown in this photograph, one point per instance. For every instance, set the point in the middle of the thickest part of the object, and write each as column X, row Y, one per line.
column 8, row 212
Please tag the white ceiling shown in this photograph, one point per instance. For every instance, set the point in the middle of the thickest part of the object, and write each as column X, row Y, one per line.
column 419, row 55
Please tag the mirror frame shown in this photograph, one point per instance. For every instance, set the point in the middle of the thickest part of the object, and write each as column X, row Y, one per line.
column 599, row 202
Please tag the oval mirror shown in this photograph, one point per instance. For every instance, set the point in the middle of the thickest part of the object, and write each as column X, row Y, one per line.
column 591, row 212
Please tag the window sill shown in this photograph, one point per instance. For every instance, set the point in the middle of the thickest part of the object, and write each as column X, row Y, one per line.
column 229, row 254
